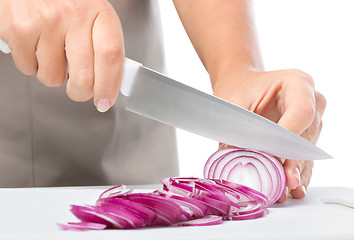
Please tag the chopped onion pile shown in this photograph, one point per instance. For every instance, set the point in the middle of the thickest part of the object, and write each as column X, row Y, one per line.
column 191, row 201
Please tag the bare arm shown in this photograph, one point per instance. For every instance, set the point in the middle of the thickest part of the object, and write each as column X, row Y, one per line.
column 223, row 34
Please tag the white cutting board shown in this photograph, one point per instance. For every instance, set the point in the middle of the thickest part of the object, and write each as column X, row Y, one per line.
column 326, row 213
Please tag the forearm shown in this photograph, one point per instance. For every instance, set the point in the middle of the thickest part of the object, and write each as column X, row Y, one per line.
column 223, row 34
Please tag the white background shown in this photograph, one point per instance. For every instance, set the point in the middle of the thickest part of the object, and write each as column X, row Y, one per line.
column 315, row 36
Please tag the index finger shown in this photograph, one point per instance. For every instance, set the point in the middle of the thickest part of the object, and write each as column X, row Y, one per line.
column 108, row 44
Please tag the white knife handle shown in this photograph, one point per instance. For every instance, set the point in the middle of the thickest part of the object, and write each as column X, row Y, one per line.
column 4, row 47
column 130, row 70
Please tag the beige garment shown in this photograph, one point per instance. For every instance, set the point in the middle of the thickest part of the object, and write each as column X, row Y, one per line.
column 48, row 140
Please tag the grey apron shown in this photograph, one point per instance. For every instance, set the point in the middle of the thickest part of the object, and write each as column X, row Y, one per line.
column 48, row 140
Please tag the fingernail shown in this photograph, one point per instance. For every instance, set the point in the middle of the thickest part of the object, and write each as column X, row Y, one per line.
column 297, row 174
column 103, row 105
column 304, row 189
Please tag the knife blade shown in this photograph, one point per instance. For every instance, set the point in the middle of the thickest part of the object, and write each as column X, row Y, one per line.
column 161, row 98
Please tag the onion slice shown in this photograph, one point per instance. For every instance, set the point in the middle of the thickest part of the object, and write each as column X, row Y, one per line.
column 167, row 211
column 113, row 191
column 205, row 221
column 96, row 214
column 135, row 209
column 81, row 226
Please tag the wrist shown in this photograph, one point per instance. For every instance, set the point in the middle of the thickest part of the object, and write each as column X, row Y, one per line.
column 231, row 71
column 234, row 74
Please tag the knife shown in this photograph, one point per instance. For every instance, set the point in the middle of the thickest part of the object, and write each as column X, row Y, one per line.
column 161, row 98
column 156, row 96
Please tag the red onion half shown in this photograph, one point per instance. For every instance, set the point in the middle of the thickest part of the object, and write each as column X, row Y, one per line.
column 257, row 170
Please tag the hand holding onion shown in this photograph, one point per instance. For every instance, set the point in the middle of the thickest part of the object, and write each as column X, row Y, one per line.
column 287, row 97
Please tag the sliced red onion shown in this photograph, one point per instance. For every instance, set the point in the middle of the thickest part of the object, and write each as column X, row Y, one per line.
column 192, row 201
column 117, row 190
column 252, row 201
column 249, row 216
column 81, row 226
column 257, row 170
column 214, row 207
column 138, row 210
column 167, row 211
column 186, row 187
column 84, row 213
column 133, row 220
column 98, row 215
column 187, row 212
column 240, row 192
column 216, row 192
column 195, row 188
column 205, row 221
column 184, row 202
column 196, row 208
column 179, row 185
column 248, row 208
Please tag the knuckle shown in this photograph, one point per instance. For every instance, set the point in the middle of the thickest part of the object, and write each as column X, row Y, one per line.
column 71, row 8
column 50, row 17
column 20, row 30
column 112, row 53
column 75, row 11
column 296, row 74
